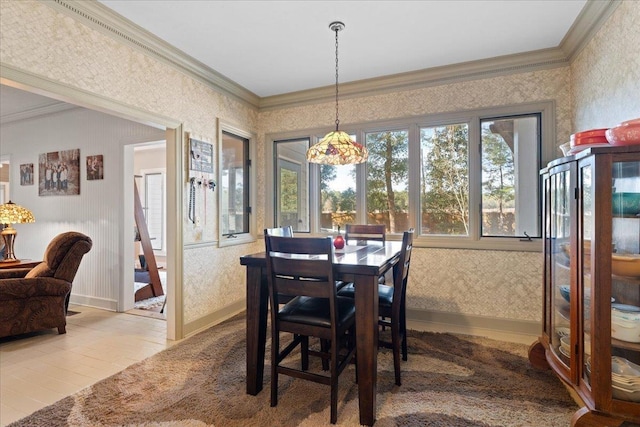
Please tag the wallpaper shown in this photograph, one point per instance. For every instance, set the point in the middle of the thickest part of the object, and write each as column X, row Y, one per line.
column 606, row 74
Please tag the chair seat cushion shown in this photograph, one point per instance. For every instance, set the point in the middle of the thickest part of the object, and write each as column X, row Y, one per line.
column 385, row 293
column 315, row 311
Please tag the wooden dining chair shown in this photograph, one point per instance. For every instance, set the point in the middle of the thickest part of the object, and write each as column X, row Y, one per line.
column 362, row 233
column 392, row 304
column 303, row 267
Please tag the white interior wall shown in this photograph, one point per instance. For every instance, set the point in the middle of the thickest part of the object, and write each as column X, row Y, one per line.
column 97, row 211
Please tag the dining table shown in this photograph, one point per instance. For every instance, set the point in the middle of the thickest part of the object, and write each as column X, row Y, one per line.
column 360, row 264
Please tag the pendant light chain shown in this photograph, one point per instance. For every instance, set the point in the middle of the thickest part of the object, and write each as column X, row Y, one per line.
column 337, row 28
column 337, row 147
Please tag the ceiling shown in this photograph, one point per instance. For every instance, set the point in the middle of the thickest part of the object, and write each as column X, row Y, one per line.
column 278, row 47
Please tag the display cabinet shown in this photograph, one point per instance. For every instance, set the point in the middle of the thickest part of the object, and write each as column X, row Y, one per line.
column 591, row 276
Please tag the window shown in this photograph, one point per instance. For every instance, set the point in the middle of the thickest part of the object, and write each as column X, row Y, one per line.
column 154, row 190
column 467, row 179
column 292, row 185
column 234, row 185
column 387, row 179
column 510, row 165
column 444, row 180
column 337, row 196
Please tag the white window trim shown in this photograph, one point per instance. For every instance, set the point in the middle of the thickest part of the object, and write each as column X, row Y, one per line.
column 244, row 238
column 472, row 117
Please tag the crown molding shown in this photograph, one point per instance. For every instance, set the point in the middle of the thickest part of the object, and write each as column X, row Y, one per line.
column 593, row 15
column 473, row 70
column 99, row 17
column 103, row 19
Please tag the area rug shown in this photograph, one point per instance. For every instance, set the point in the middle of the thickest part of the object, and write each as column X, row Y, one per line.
column 449, row 380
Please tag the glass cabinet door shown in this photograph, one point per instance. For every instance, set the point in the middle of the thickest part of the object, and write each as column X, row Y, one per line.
column 625, row 281
column 560, row 230
column 584, row 259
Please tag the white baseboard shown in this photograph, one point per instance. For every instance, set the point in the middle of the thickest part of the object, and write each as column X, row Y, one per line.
column 511, row 330
column 214, row 318
column 103, row 303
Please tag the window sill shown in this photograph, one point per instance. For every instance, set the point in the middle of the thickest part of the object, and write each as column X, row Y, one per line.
column 486, row 244
column 242, row 239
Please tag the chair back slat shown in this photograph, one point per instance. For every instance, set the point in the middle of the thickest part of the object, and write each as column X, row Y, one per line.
column 300, row 266
column 279, row 231
column 365, row 232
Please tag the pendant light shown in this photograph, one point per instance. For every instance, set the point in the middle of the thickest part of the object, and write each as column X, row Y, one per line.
column 337, row 147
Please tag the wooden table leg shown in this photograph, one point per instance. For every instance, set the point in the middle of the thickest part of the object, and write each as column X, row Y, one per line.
column 366, row 300
column 257, row 301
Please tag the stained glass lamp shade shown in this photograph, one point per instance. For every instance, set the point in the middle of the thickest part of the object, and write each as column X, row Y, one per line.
column 337, row 148
column 10, row 213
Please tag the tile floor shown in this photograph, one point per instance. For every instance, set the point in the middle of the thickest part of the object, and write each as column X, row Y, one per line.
column 39, row 369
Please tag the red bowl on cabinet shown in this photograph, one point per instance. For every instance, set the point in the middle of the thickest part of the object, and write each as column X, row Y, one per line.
column 588, row 137
column 626, row 133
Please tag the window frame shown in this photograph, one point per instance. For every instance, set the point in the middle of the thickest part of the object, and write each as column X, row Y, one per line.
column 276, row 179
column 538, row 117
column 473, row 118
column 162, row 172
column 250, row 235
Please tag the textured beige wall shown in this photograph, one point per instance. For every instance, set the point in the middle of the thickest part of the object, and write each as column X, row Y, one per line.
column 606, row 74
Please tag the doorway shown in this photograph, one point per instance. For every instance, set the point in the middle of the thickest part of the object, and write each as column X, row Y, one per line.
column 115, row 275
column 150, row 251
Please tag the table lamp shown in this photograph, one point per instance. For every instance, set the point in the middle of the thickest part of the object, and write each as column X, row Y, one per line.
column 10, row 213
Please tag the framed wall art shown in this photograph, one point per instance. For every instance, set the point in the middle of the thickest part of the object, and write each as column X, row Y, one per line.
column 59, row 173
column 26, row 174
column 95, row 167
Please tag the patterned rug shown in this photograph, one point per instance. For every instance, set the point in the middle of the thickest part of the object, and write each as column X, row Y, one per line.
column 449, row 380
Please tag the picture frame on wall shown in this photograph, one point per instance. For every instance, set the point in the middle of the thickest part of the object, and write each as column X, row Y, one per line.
column 200, row 156
column 95, row 167
column 59, row 173
column 26, row 174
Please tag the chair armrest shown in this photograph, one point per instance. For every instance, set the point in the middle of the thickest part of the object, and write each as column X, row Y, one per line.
column 12, row 273
column 11, row 289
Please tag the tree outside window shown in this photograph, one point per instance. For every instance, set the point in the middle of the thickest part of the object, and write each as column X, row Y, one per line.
column 444, row 184
column 387, row 179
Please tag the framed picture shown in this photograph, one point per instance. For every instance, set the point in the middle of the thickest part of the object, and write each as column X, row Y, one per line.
column 26, row 174
column 95, row 168
column 200, row 156
column 59, row 173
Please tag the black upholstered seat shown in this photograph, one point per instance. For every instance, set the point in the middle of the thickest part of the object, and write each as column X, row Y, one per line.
column 316, row 311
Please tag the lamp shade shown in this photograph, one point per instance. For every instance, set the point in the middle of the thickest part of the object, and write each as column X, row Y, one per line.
column 337, row 148
column 10, row 213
